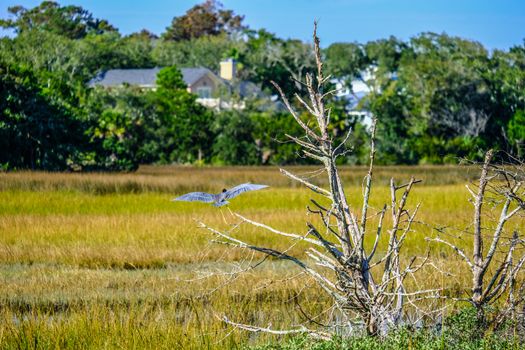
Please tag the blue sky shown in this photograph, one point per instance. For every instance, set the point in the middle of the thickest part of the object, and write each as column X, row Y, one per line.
column 497, row 23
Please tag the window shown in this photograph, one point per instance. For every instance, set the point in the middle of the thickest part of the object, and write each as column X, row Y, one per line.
column 204, row 92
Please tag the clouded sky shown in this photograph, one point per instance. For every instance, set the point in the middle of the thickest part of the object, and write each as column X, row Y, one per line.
column 496, row 24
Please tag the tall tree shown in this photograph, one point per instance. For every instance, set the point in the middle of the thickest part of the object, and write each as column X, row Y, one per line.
column 206, row 51
column 206, row 19
column 118, row 121
column 234, row 143
column 71, row 21
column 183, row 128
column 265, row 57
column 516, row 133
column 445, row 79
column 345, row 61
column 433, row 97
column 35, row 131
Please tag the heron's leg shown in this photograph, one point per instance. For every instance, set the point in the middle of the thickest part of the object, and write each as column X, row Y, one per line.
column 223, row 217
column 231, row 213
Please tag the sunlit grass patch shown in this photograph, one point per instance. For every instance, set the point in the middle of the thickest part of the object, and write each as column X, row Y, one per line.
column 179, row 179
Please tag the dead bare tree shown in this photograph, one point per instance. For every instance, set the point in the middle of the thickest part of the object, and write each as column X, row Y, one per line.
column 494, row 271
column 367, row 287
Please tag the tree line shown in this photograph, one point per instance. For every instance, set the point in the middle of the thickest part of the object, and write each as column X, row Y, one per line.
column 438, row 98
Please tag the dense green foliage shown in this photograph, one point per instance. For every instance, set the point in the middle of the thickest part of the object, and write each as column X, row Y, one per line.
column 458, row 332
column 35, row 130
column 438, row 98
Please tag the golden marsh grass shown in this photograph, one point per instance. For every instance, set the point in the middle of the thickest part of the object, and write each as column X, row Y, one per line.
column 173, row 179
column 107, row 261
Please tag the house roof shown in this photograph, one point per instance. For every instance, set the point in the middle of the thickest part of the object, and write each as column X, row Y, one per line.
column 144, row 77
column 191, row 75
column 147, row 77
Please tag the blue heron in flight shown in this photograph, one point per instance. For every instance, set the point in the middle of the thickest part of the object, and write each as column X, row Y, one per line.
column 220, row 199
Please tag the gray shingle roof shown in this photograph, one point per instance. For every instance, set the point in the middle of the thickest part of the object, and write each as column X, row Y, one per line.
column 144, row 77
column 191, row 75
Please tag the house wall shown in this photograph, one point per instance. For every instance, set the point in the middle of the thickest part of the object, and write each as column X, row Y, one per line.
column 205, row 81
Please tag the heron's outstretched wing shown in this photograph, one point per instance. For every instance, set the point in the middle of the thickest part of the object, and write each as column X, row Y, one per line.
column 196, row 197
column 237, row 190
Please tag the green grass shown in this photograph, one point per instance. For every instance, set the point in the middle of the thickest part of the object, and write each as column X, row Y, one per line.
column 107, row 261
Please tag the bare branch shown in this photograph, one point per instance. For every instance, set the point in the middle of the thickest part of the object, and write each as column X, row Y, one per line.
column 459, row 251
column 300, row 330
column 378, row 234
column 306, row 105
column 497, row 233
column 311, row 186
column 368, row 185
column 327, row 245
column 478, row 239
column 308, row 131
column 271, row 229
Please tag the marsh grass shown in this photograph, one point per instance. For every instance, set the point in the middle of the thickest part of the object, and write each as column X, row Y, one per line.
column 175, row 179
column 107, row 261
column 58, row 306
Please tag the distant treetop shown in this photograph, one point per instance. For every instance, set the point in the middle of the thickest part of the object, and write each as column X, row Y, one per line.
column 208, row 18
column 71, row 21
